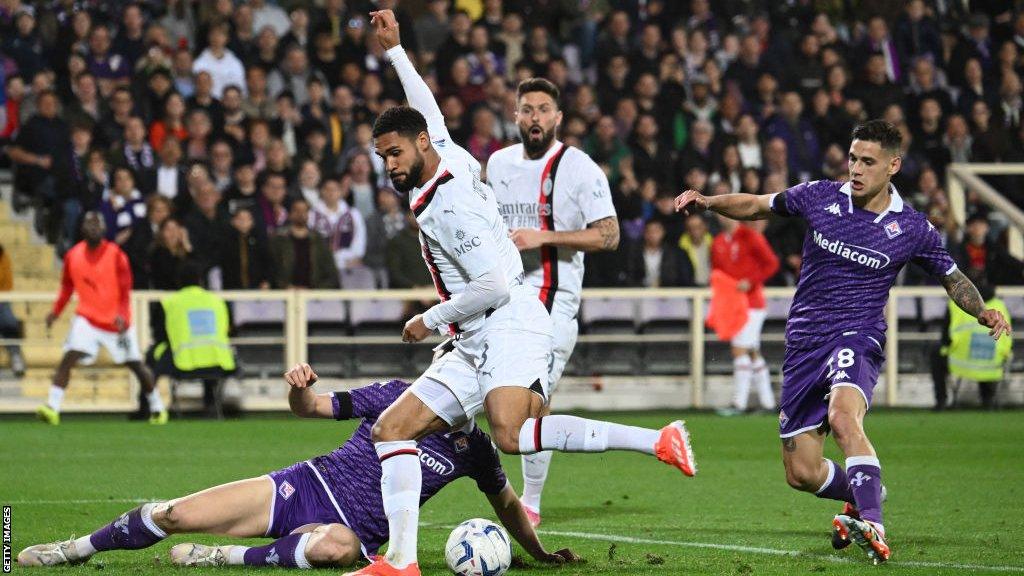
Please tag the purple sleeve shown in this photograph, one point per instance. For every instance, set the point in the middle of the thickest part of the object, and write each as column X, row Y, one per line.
column 368, row 401
column 932, row 255
column 485, row 464
column 793, row 201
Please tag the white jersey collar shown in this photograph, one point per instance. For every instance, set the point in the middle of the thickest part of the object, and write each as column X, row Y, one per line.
column 895, row 200
column 428, row 186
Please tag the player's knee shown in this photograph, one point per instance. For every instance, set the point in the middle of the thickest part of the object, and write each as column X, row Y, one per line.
column 844, row 425
column 506, row 438
column 386, row 430
column 331, row 545
column 801, row 477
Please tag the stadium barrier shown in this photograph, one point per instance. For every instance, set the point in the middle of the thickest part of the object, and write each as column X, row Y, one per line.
column 641, row 340
column 961, row 177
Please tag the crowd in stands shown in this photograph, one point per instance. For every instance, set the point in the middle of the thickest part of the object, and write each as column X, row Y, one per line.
column 238, row 133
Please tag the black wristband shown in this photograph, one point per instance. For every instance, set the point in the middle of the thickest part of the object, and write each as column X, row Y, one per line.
column 344, row 403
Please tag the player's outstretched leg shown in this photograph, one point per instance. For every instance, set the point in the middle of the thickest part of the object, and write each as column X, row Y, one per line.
column 506, row 407
column 157, row 412
column 326, row 545
column 846, row 416
column 535, row 474
column 50, row 412
column 238, row 509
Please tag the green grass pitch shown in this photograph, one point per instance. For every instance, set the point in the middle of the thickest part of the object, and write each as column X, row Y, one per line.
column 955, row 481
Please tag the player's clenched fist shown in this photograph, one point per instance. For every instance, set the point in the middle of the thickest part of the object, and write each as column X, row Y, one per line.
column 301, row 376
column 691, row 202
column 415, row 329
column 386, row 26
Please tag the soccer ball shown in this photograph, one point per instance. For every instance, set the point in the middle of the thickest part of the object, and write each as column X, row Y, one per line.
column 478, row 547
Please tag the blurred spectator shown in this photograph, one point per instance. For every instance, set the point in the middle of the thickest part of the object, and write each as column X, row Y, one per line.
column 207, row 223
column 656, row 263
column 10, row 327
column 32, row 152
column 122, row 206
column 696, row 243
column 224, row 68
column 171, row 123
column 135, row 152
column 405, row 257
column 981, row 255
column 340, row 224
column 245, row 260
column 302, row 258
column 170, row 253
column 804, row 151
column 143, row 236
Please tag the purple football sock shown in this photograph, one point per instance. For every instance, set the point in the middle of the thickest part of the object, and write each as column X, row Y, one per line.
column 865, row 474
column 131, row 531
column 287, row 552
column 836, row 486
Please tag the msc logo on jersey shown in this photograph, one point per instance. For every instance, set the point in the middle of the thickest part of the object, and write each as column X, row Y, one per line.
column 892, row 229
column 857, row 254
column 834, row 209
column 465, row 246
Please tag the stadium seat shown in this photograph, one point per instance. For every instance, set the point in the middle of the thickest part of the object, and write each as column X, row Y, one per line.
column 608, row 316
column 665, row 316
column 380, row 318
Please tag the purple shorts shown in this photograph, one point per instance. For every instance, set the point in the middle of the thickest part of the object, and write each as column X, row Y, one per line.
column 299, row 499
column 808, row 376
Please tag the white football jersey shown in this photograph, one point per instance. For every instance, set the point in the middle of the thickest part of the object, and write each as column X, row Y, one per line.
column 461, row 232
column 562, row 191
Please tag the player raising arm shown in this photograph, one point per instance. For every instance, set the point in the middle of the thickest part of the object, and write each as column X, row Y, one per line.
column 325, row 511
column 860, row 234
column 501, row 333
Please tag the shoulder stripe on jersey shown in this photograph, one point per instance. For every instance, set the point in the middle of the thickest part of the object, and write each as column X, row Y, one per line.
column 549, row 254
column 427, row 196
column 435, row 275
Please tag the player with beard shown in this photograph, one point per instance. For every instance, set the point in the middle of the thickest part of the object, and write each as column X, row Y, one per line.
column 558, row 205
column 497, row 358
column 860, row 234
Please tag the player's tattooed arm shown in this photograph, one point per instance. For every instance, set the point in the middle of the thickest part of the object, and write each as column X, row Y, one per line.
column 965, row 294
column 599, row 235
column 608, row 228
column 962, row 291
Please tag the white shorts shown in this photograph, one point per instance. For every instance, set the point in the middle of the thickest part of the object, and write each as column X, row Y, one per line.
column 87, row 339
column 566, row 330
column 750, row 335
column 512, row 348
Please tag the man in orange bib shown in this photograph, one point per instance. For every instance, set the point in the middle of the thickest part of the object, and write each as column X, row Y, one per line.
column 98, row 271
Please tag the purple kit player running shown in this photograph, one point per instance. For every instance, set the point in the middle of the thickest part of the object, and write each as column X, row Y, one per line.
column 860, row 235
column 326, row 511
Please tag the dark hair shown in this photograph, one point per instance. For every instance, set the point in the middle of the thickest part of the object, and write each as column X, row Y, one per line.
column 538, row 85
column 408, row 122
column 887, row 135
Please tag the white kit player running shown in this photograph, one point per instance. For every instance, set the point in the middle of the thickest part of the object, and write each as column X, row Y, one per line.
column 557, row 203
column 496, row 360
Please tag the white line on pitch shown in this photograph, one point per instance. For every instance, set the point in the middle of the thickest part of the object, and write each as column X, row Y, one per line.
column 86, row 501
column 768, row 551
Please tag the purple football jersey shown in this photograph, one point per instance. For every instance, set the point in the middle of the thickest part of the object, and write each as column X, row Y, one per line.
column 352, row 472
column 851, row 259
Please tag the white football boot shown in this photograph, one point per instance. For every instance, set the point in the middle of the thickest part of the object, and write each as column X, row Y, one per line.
column 52, row 554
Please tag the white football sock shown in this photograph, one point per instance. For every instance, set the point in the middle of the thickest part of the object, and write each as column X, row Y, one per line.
column 56, row 397
column 741, row 373
column 574, row 434
column 84, row 546
column 236, row 555
column 763, row 381
column 400, row 484
column 535, row 472
column 156, row 404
